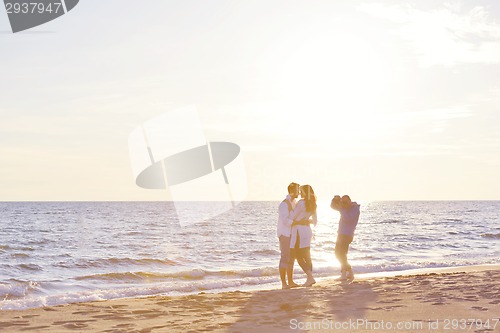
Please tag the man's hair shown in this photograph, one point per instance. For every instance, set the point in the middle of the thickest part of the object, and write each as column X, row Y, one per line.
column 293, row 187
column 346, row 198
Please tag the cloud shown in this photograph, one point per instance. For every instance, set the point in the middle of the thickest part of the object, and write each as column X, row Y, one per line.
column 448, row 35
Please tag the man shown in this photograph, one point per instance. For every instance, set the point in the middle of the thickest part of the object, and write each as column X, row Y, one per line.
column 349, row 216
column 283, row 232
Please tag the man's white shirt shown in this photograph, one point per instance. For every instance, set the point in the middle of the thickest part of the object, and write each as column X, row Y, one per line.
column 284, row 221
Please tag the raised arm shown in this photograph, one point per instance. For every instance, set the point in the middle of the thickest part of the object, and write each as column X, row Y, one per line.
column 335, row 202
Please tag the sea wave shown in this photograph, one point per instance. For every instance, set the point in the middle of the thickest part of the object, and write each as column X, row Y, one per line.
column 210, row 281
column 30, row 267
column 263, row 272
column 20, row 255
column 493, row 236
column 459, row 232
column 136, row 291
column 143, row 276
column 113, row 262
column 193, row 274
column 266, row 252
column 17, row 248
column 390, row 221
column 17, row 289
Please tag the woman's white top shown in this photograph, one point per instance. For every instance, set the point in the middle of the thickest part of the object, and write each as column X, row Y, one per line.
column 303, row 231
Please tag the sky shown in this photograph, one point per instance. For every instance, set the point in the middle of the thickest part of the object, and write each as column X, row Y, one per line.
column 381, row 100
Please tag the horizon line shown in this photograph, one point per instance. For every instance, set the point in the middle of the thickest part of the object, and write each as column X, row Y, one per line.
column 277, row 200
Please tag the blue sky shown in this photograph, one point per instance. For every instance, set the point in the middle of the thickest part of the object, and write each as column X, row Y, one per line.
column 384, row 100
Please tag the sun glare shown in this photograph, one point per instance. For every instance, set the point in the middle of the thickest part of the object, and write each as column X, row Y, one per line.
column 341, row 78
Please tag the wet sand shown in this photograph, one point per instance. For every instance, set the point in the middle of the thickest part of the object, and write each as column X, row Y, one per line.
column 439, row 301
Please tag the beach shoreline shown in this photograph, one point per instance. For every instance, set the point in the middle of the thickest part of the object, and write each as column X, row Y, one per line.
column 428, row 299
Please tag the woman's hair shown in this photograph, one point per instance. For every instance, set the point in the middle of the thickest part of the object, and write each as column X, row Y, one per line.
column 309, row 198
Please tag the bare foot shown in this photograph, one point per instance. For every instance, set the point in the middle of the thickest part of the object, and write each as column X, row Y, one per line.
column 309, row 283
column 293, row 285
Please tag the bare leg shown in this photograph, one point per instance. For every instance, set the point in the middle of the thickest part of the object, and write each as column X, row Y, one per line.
column 289, row 273
column 294, row 252
column 341, row 249
column 300, row 255
column 284, row 260
column 306, row 255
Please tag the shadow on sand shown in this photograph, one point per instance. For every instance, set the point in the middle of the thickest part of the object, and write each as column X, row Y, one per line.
column 289, row 310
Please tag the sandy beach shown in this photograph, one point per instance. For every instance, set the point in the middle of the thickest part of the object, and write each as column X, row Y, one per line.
column 451, row 300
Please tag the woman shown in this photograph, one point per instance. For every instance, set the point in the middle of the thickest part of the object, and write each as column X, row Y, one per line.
column 303, row 215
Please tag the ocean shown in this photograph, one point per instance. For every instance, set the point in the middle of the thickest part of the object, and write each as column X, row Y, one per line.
column 64, row 252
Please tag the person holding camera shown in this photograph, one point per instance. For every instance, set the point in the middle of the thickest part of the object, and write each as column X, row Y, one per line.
column 349, row 216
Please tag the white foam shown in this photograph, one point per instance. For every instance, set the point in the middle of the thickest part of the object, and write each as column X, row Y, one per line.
column 16, row 289
column 158, row 289
column 254, row 278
